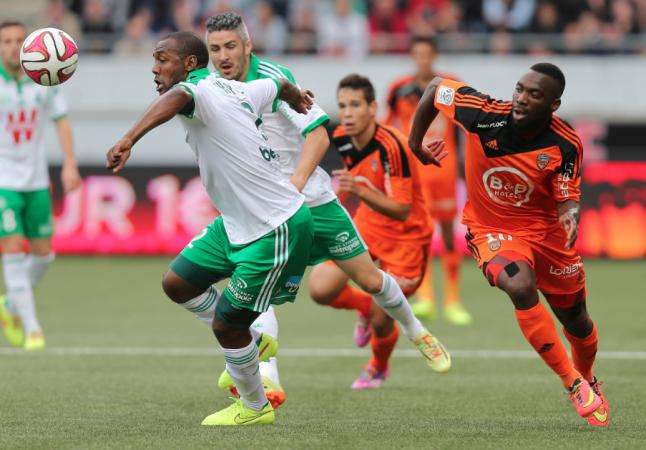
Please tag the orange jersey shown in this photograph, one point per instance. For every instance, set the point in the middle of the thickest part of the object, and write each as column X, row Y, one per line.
column 385, row 164
column 512, row 184
column 403, row 96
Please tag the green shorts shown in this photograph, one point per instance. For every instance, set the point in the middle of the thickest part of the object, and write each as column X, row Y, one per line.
column 335, row 236
column 267, row 271
column 27, row 214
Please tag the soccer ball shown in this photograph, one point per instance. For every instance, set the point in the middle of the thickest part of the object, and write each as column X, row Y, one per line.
column 49, row 56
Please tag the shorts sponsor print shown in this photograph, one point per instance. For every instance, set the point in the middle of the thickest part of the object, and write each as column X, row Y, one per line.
column 335, row 235
column 265, row 272
column 558, row 271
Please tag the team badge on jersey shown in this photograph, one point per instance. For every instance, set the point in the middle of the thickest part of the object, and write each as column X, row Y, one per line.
column 445, row 95
column 542, row 160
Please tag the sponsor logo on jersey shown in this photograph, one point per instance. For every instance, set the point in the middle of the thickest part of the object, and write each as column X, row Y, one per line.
column 343, row 236
column 268, row 154
column 292, row 284
column 567, row 271
column 237, row 289
column 492, row 144
column 500, row 123
column 507, row 186
column 542, row 161
column 21, row 125
column 445, row 95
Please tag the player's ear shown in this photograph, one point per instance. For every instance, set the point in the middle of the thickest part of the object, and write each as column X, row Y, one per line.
column 190, row 63
column 373, row 107
column 556, row 104
column 248, row 47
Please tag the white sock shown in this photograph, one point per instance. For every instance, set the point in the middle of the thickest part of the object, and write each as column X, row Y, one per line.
column 242, row 365
column 203, row 306
column 38, row 265
column 267, row 323
column 393, row 301
column 19, row 291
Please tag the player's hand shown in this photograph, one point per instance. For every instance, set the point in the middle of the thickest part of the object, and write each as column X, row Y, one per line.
column 70, row 177
column 431, row 152
column 118, row 155
column 570, row 221
column 346, row 182
column 300, row 100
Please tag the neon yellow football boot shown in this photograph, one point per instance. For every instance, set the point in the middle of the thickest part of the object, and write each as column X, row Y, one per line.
column 11, row 327
column 34, row 341
column 437, row 357
column 238, row 414
column 267, row 347
column 274, row 391
column 456, row 314
column 424, row 310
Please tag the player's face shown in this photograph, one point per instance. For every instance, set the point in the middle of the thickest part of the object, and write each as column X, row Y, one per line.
column 169, row 68
column 11, row 39
column 229, row 53
column 424, row 56
column 355, row 113
column 534, row 99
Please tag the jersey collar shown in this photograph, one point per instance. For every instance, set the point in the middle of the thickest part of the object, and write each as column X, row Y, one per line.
column 4, row 74
column 252, row 73
column 194, row 76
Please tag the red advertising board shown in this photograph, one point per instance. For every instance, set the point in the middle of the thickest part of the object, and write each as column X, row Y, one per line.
column 158, row 210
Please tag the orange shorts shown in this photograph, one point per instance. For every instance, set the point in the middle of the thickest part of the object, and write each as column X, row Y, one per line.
column 405, row 260
column 558, row 271
column 439, row 193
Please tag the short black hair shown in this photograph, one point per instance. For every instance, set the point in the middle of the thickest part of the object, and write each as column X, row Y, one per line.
column 189, row 44
column 11, row 23
column 358, row 82
column 428, row 40
column 553, row 72
column 228, row 21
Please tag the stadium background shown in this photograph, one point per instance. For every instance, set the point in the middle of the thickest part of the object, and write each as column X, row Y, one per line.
column 489, row 43
column 124, row 368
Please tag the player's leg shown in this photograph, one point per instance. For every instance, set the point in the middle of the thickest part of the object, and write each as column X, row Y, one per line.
column 39, row 224
column 424, row 306
column 19, row 315
column 454, row 311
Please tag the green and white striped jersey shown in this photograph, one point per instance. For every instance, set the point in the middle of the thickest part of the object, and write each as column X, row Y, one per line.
column 25, row 108
column 237, row 165
column 286, row 131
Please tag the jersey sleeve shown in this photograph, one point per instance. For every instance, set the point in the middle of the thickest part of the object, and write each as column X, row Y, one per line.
column 305, row 123
column 466, row 106
column 263, row 93
column 566, row 181
column 192, row 109
column 57, row 104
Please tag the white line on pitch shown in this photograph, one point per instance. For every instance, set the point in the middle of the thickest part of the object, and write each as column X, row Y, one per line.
column 292, row 352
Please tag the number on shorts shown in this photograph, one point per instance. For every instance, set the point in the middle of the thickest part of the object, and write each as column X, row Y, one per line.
column 8, row 220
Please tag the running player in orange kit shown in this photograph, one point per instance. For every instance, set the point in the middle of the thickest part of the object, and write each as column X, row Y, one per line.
column 438, row 186
column 390, row 217
column 523, row 175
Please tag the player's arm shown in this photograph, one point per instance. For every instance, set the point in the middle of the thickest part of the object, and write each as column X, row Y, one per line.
column 569, row 214
column 70, row 177
column 432, row 152
column 160, row 111
column 300, row 100
column 371, row 196
column 315, row 146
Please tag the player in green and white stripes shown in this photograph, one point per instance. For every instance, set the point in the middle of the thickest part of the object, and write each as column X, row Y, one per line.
column 300, row 142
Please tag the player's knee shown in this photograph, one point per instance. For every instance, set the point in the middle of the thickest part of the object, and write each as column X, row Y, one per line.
column 228, row 335
column 177, row 289
column 521, row 288
column 370, row 282
column 12, row 244
column 320, row 293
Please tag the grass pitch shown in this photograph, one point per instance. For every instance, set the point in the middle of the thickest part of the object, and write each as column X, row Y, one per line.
column 125, row 368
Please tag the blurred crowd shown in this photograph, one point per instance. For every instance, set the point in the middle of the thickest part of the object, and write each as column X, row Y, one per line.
column 354, row 28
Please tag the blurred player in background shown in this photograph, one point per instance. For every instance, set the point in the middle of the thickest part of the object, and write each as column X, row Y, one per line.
column 300, row 142
column 438, row 185
column 25, row 202
column 391, row 217
column 523, row 175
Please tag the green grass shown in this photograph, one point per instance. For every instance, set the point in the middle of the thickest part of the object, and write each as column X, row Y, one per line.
column 58, row 401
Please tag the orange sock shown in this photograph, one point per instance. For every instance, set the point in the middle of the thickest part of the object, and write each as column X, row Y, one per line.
column 584, row 351
column 382, row 348
column 539, row 330
column 425, row 290
column 451, row 267
column 353, row 298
